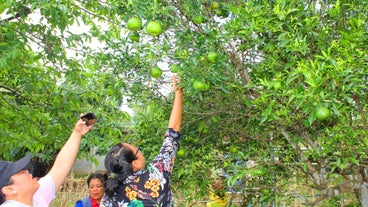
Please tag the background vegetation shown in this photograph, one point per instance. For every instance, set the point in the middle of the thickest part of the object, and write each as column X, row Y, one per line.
column 281, row 101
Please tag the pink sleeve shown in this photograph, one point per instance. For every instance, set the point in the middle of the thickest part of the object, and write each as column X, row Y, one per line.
column 45, row 193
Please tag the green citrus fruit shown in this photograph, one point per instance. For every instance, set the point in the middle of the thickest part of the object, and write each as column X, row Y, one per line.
column 198, row 85
column 134, row 36
column 198, row 19
column 154, row 28
column 323, row 113
column 156, row 72
column 180, row 153
column 212, row 57
column 215, row 5
column 234, row 150
column 134, row 23
column 174, row 68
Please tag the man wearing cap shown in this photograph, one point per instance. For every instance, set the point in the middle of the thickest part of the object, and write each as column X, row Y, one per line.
column 19, row 188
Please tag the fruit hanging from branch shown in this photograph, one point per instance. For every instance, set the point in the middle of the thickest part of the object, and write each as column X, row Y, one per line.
column 323, row 113
column 154, row 28
column 156, row 72
column 134, row 24
column 212, row 57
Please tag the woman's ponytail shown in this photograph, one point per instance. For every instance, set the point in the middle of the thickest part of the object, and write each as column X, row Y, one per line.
column 118, row 169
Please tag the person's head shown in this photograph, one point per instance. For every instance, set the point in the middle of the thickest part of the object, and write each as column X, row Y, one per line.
column 15, row 179
column 95, row 183
column 38, row 169
column 120, row 162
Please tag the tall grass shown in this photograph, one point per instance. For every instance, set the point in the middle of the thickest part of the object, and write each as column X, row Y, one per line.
column 71, row 190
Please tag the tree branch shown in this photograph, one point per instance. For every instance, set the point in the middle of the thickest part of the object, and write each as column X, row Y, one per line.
column 23, row 13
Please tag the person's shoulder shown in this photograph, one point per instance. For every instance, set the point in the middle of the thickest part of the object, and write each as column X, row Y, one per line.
column 48, row 181
column 79, row 203
column 86, row 199
column 11, row 203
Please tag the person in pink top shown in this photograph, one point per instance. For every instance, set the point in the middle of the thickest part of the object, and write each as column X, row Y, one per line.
column 19, row 188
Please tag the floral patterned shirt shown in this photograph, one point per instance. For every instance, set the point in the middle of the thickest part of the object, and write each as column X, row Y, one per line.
column 150, row 187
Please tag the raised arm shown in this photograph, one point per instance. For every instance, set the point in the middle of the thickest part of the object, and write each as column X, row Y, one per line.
column 65, row 159
column 177, row 109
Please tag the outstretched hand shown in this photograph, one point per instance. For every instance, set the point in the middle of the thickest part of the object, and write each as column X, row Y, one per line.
column 82, row 128
column 175, row 81
column 177, row 109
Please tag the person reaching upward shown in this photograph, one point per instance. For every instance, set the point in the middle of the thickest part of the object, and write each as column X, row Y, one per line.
column 19, row 188
column 129, row 182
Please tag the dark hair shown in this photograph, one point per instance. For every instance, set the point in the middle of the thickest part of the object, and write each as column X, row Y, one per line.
column 37, row 169
column 2, row 197
column 101, row 176
column 118, row 163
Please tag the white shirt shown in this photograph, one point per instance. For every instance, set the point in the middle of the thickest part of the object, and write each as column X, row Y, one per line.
column 12, row 203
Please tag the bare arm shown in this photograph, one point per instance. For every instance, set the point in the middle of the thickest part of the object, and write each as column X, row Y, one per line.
column 177, row 109
column 65, row 159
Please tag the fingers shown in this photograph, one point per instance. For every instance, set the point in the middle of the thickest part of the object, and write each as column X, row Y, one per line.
column 175, row 79
column 82, row 128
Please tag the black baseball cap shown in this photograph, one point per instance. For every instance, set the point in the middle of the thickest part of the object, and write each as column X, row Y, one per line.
column 8, row 169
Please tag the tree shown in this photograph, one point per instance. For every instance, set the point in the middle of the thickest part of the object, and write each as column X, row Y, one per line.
column 278, row 63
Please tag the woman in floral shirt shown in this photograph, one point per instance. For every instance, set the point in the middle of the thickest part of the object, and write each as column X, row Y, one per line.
column 130, row 184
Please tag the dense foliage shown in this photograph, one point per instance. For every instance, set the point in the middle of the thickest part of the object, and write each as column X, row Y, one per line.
column 275, row 91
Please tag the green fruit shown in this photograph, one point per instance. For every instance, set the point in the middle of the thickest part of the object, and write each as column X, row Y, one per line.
column 174, row 68
column 134, row 23
column 198, row 85
column 234, row 150
column 134, row 36
column 323, row 113
column 215, row 5
column 180, row 153
column 198, row 19
column 154, row 28
column 156, row 72
column 212, row 57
